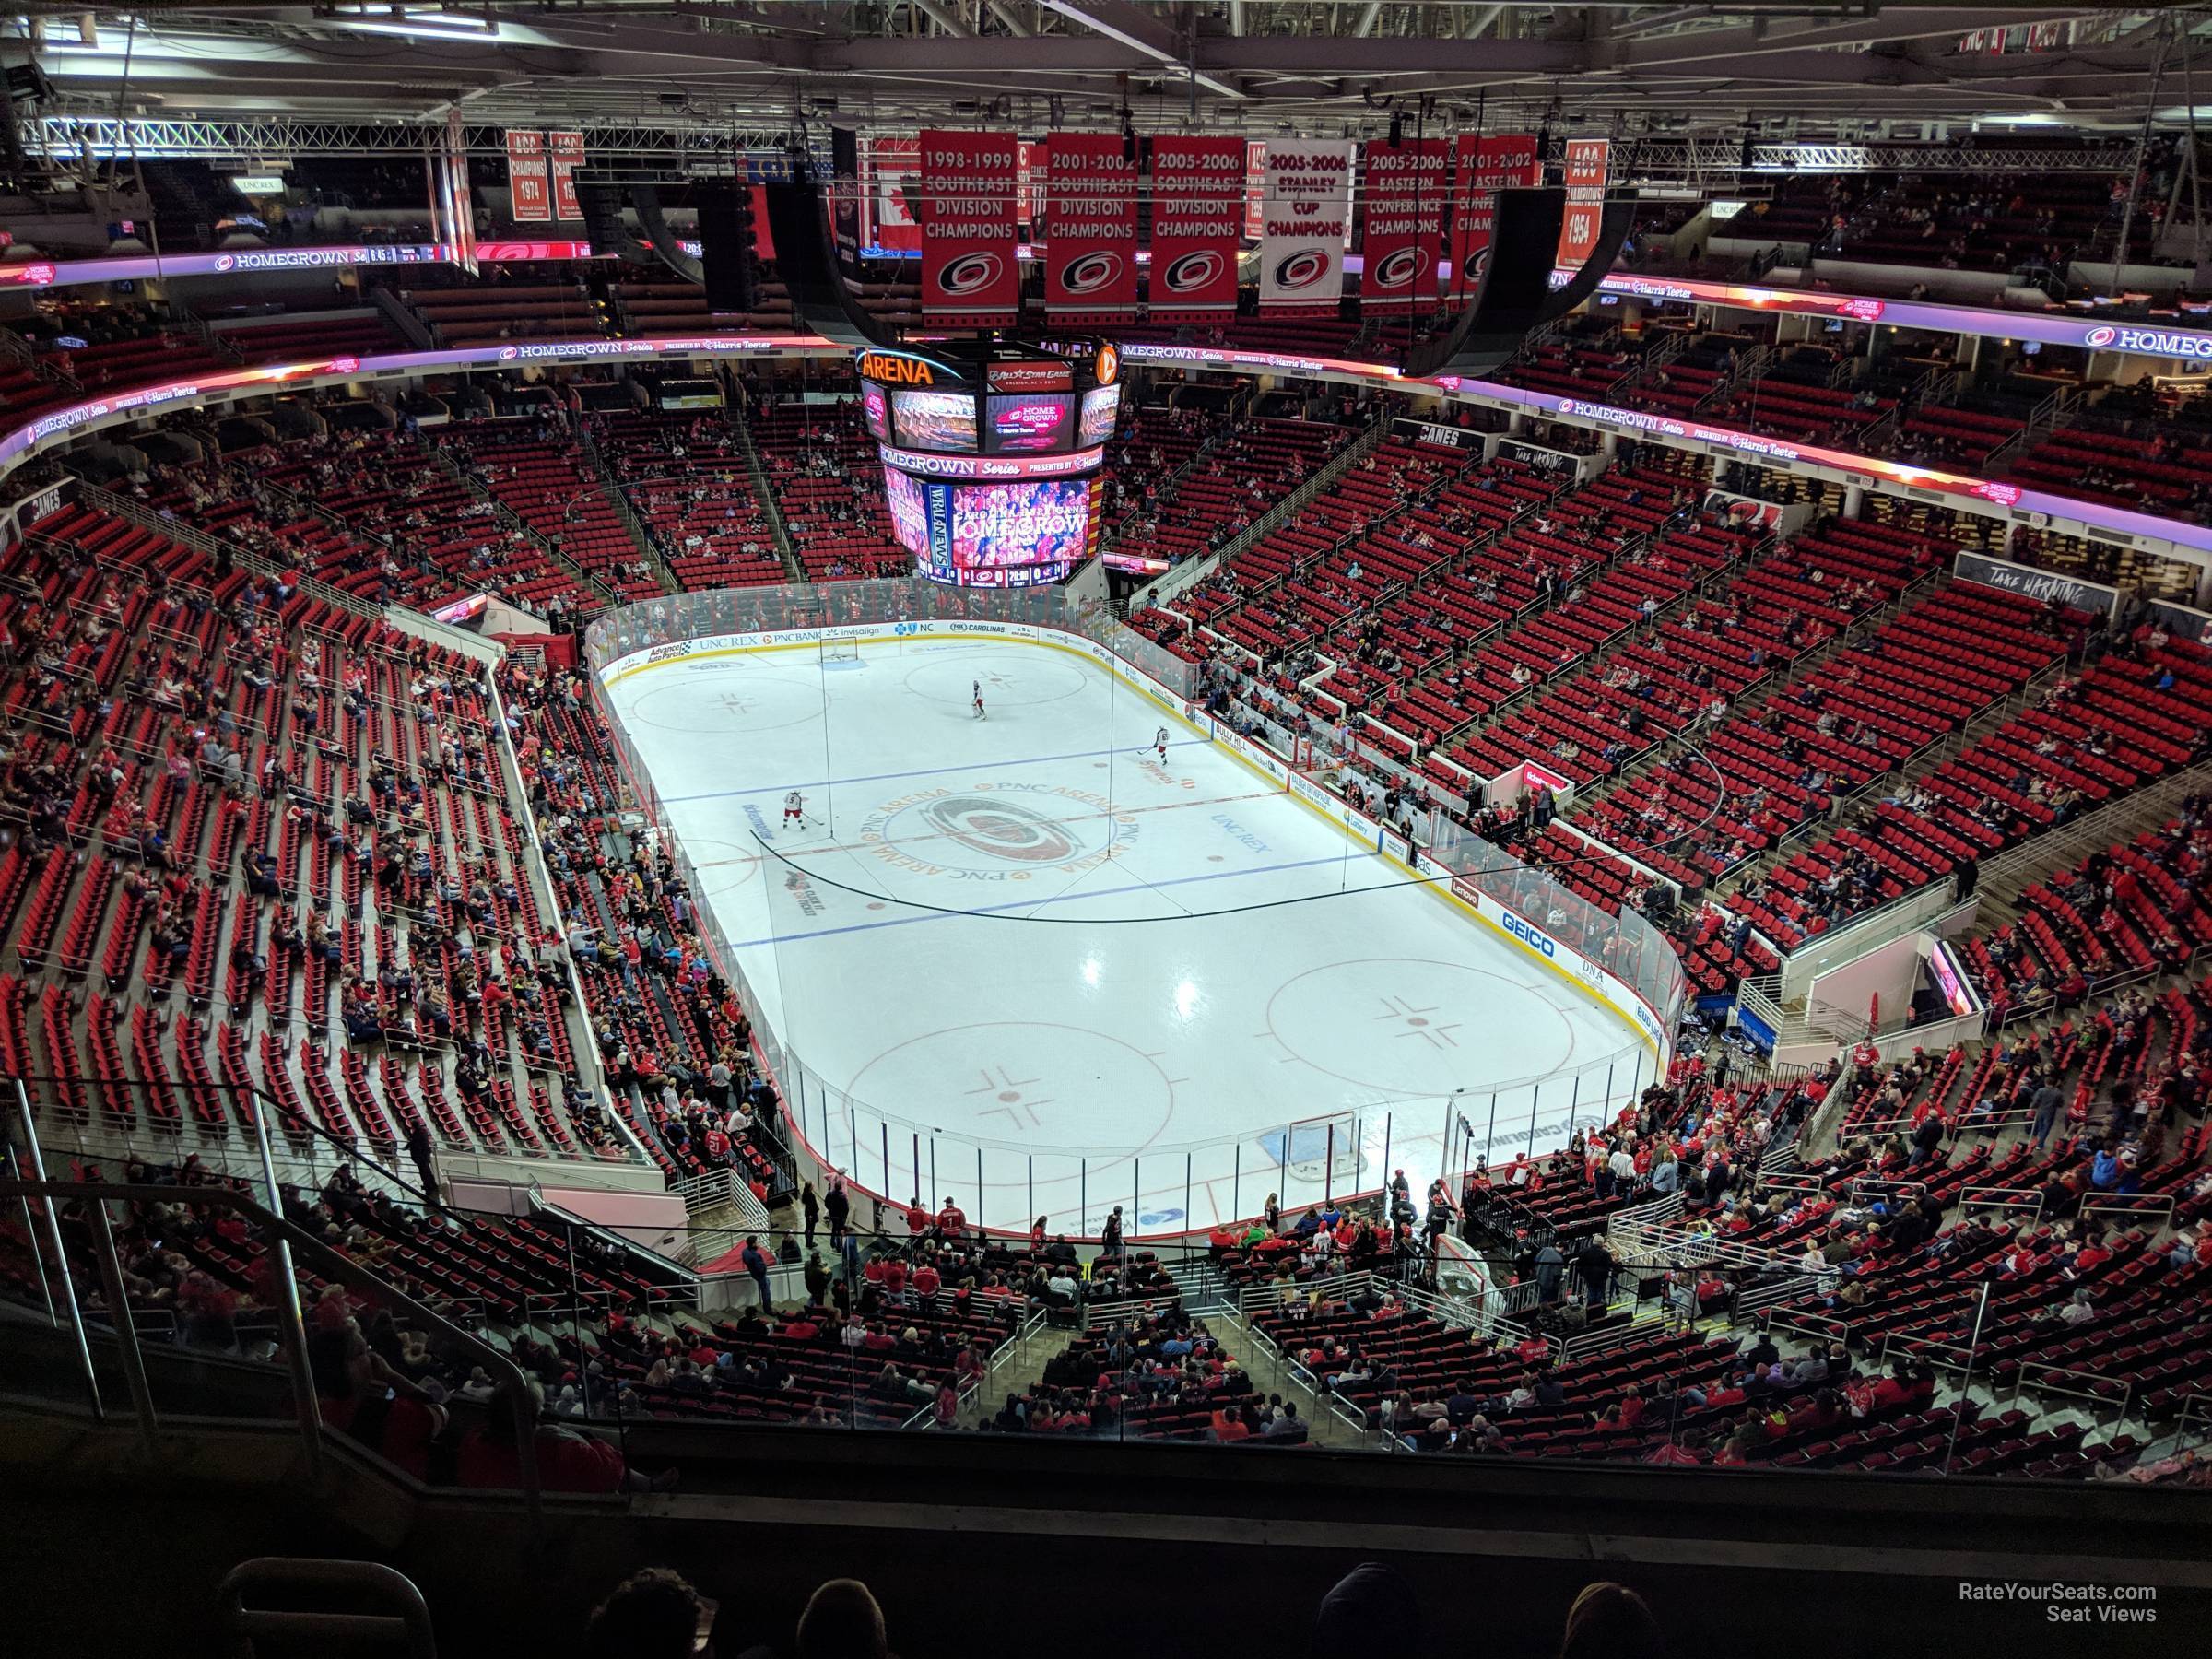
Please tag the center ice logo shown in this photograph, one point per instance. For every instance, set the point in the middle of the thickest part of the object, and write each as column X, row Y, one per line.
column 990, row 831
column 1004, row 828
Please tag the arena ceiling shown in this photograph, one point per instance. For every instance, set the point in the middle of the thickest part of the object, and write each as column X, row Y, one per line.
column 1801, row 70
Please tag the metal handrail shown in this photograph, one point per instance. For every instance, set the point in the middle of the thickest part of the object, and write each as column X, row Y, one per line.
column 332, row 1264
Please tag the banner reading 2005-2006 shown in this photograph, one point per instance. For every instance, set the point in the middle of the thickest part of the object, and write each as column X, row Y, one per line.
column 1305, row 225
column 1402, row 226
column 969, row 229
column 1197, row 218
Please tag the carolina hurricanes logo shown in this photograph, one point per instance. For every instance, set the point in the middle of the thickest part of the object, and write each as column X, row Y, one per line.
column 969, row 273
column 1400, row 269
column 1003, row 828
column 1303, row 269
column 2099, row 336
column 509, row 353
column 1474, row 266
column 1092, row 273
column 1193, row 272
column 225, row 262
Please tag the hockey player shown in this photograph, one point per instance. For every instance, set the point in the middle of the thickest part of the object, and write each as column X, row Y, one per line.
column 976, row 689
column 1159, row 745
column 794, row 809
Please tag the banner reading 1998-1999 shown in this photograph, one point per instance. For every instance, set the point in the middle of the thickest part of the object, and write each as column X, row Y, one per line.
column 969, row 229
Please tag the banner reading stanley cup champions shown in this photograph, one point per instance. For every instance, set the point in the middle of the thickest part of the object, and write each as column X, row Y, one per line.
column 1402, row 223
column 970, row 227
column 1090, row 228
column 1197, row 218
column 1305, row 225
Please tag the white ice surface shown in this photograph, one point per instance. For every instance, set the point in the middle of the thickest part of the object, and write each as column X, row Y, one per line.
column 1024, row 945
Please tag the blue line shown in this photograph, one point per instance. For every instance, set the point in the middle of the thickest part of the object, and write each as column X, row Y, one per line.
column 984, row 909
column 926, row 771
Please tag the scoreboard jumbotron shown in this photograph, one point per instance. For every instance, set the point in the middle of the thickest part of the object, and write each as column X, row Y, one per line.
column 992, row 455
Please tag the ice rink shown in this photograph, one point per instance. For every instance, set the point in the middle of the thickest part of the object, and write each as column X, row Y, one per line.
column 1025, row 952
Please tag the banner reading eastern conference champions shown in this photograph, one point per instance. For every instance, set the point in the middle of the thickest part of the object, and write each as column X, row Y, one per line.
column 969, row 229
column 1305, row 222
column 1402, row 223
column 1090, row 228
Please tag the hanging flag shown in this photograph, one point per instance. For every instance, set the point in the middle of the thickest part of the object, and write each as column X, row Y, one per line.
column 1402, row 225
column 1307, row 223
column 845, row 200
column 1255, row 188
column 968, row 228
column 568, row 156
column 1090, row 228
column 893, row 164
column 1485, row 166
column 528, row 198
column 1198, row 220
column 1588, row 161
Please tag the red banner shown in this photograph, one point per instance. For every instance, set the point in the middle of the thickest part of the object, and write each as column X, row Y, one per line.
column 1198, row 192
column 568, row 156
column 1256, row 189
column 1588, row 161
column 1507, row 161
column 893, row 164
column 1090, row 228
column 1402, row 220
column 970, row 227
column 529, row 199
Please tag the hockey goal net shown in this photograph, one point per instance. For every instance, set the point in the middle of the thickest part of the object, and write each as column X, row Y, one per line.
column 841, row 650
column 1324, row 1152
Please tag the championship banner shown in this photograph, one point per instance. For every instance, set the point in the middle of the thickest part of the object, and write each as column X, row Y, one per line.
column 529, row 196
column 568, row 156
column 968, row 228
column 1588, row 161
column 1255, row 188
column 1403, row 222
column 1198, row 220
column 1090, row 228
column 893, row 164
column 1308, row 221
column 1485, row 166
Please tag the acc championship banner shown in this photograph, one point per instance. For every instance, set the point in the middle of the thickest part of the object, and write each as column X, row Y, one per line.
column 1588, row 161
column 1404, row 222
column 1308, row 220
column 568, row 156
column 970, row 227
column 893, row 164
column 1197, row 216
column 1090, row 228
column 530, row 199
column 1485, row 166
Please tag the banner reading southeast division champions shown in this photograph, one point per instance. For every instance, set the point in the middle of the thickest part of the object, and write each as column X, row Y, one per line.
column 1308, row 220
column 1404, row 222
column 1090, row 229
column 1507, row 161
column 1198, row 220
column 969, row 229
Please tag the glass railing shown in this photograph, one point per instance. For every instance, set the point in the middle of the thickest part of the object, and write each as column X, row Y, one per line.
column 1161, row 1184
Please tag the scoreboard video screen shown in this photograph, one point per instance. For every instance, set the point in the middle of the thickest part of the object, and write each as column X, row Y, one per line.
column 992, row 455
